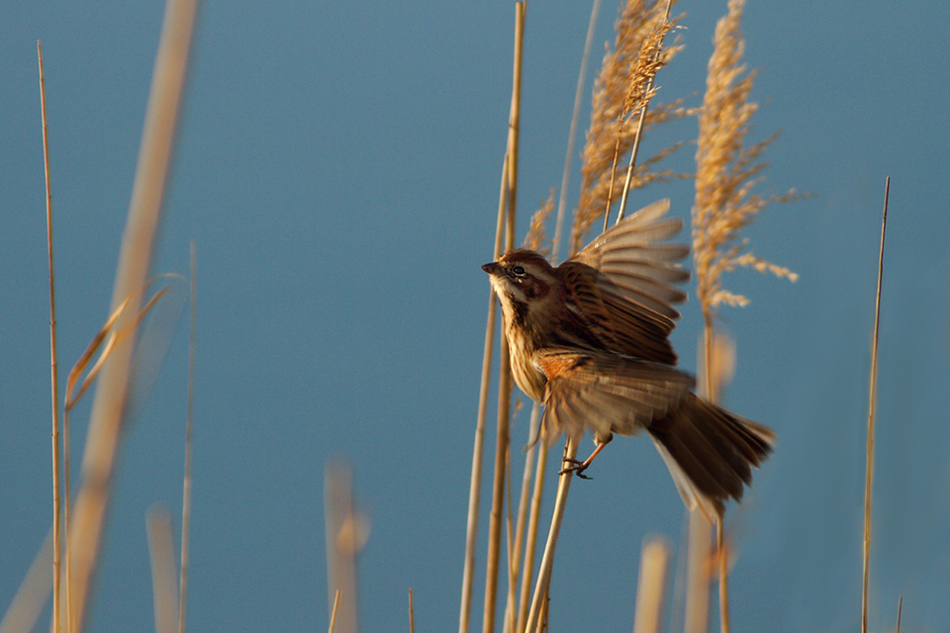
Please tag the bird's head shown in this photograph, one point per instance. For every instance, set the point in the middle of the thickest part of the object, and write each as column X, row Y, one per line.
column 521, row 277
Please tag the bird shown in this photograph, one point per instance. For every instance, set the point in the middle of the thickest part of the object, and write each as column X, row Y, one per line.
column 589, row 339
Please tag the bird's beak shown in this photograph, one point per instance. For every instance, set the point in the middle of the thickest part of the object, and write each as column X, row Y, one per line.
column 492, row 268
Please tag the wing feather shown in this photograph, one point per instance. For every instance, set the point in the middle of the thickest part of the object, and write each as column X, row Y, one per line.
column 622, row 326
column 606, row 393
column 623, row 284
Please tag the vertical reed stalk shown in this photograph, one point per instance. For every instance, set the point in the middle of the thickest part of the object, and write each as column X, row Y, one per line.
column 186, row 484
column 344, row 538
column 531, row 546
column 645, row 103
column 696, row 616
column 511, row 608
column 713, row 383
column 54, row 363
column 108, row 409
column 537, row 493
column 869, row 478
column 474, row 492
column 161, row 556
column 562, row 201
column 31, row 597
column 498, row 489
column 336, row 605
column 504, row 372
column 726, row 172
column 511, row 565
column 70, row 623
column 723, row 558
column 547, row 560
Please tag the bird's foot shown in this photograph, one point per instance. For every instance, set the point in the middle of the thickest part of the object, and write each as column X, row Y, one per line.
column 576, row 466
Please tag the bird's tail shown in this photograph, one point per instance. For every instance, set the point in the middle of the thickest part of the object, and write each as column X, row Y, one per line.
column 710, row 452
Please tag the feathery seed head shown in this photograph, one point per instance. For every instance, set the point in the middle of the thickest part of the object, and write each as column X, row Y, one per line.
column 726, row 171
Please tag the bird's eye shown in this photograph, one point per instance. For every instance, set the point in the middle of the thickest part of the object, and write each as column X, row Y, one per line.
column 518, row 271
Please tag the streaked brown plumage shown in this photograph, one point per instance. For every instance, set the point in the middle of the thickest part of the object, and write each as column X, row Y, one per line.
column 589, row 339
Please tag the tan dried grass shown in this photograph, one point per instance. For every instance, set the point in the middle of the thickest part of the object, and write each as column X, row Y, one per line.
column 726, row 172
column 108, row 408
column 536, row 239
column 620, row 91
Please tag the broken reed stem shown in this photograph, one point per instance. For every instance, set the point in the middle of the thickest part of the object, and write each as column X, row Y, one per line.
column 164, row 594
column 869, row 479
column 547, row 560
column 108, row 409
column 54, row 366
column 654, row 557
column 900, row 604
column 578, row 95
column 412, row 619
column 186, row 483
column 344, row 538
column 504, row 372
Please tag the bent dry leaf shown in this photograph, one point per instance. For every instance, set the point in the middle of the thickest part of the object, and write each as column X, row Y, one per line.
column 114, row 338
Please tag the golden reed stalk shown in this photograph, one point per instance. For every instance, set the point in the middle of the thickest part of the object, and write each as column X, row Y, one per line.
column 726, row 172
column 108, row 409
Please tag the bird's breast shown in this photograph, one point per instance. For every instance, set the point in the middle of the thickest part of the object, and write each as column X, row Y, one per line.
column 528, row 377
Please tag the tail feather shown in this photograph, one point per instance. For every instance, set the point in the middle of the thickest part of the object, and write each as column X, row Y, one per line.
column 710, row 452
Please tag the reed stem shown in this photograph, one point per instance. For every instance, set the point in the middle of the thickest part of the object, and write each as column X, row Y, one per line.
column 869, row 477
column 504, row 372
column 54, row 363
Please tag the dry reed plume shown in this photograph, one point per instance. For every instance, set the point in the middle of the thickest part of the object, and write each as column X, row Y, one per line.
column 620, row 91
column 724, row 205
column 726, row 172
column 536, row 239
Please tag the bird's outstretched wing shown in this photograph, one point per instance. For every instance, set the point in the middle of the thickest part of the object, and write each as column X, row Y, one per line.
column 623, row 284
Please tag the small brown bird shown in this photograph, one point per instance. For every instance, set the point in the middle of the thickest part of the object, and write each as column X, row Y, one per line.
column 589, row 340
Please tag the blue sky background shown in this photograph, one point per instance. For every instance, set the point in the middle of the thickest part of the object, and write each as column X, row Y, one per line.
column 338, row 170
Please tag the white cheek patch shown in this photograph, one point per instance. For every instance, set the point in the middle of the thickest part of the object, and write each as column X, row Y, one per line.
column 505, row 289
column 517, row 292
